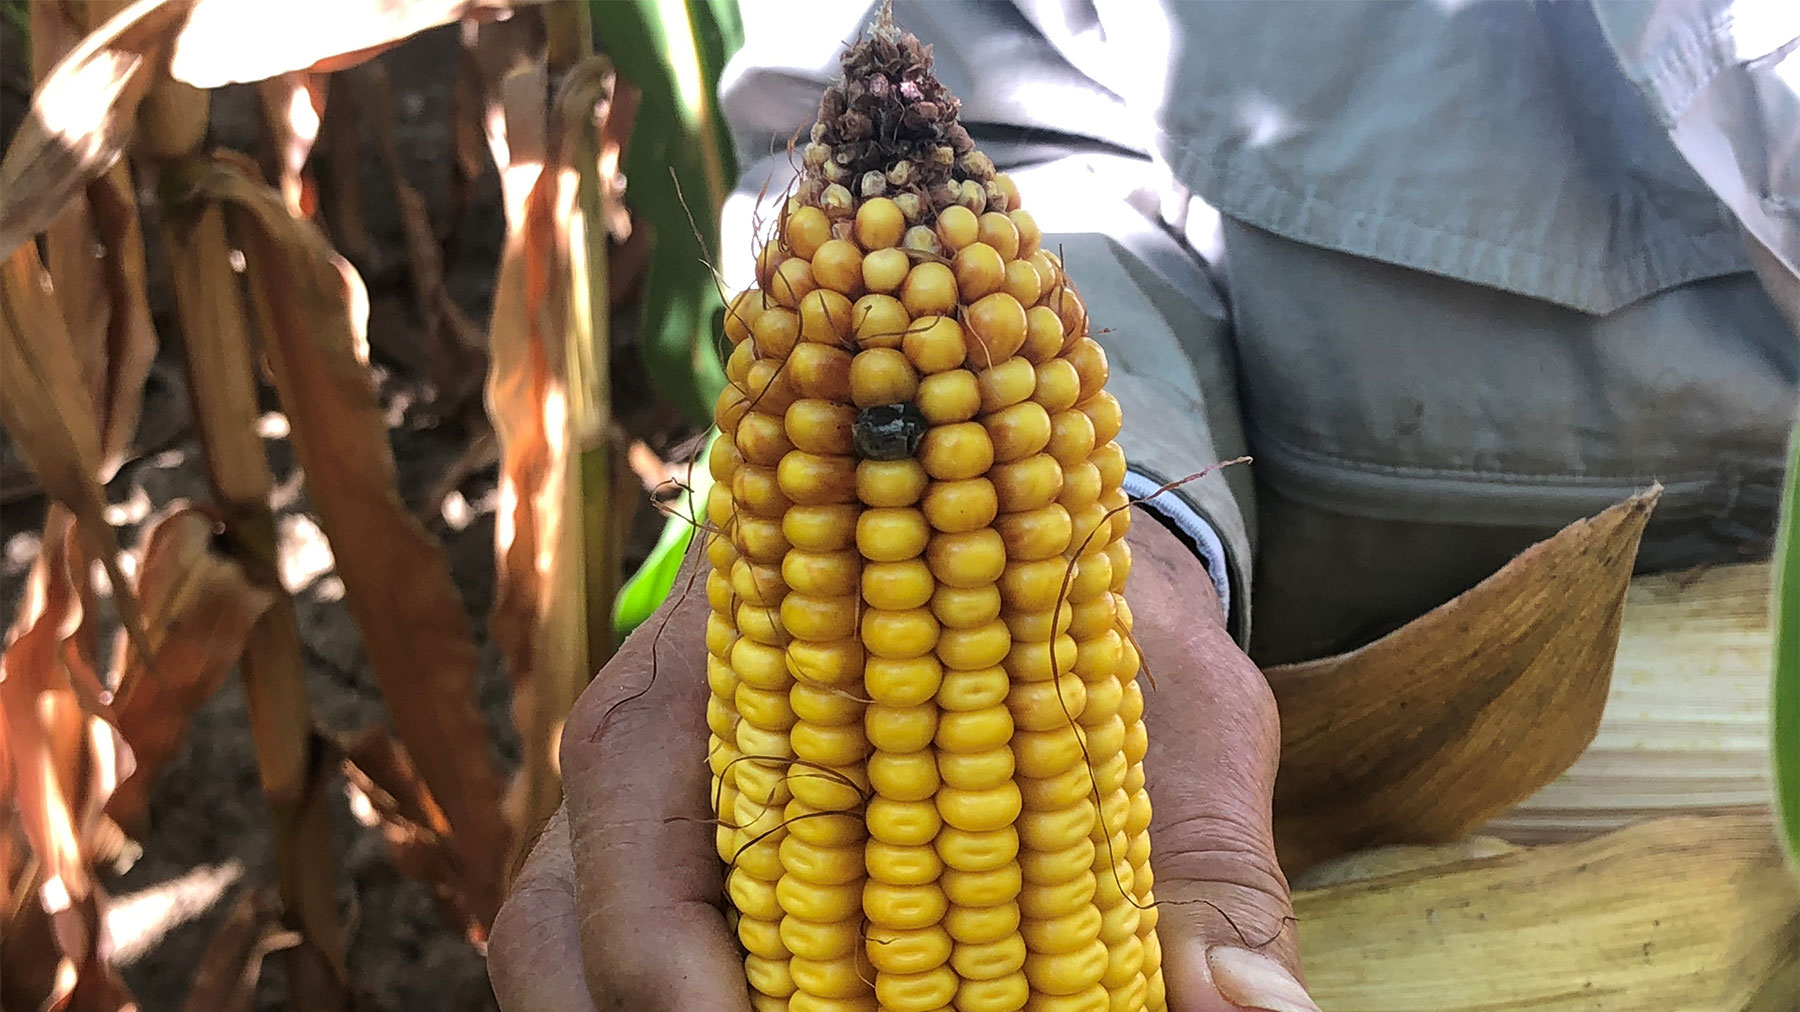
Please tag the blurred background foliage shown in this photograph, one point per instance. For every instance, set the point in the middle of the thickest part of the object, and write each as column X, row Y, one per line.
column 315, row 302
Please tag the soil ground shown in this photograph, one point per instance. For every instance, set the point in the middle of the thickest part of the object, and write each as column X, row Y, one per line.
column 207, row 819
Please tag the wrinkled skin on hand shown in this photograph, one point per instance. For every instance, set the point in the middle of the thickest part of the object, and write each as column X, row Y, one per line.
column 620, row 907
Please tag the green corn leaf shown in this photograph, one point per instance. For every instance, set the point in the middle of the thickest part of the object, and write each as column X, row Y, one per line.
column 655, row 579
column 1786, row 744
column 679, row 168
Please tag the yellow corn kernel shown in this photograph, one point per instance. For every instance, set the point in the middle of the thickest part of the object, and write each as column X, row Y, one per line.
column 878, row 321
column 892, row 534
column 902, row 865
column 1020, row 431
column 957, row 451
column 1066, row 933
column 837, row 267
column 891, row 483
column 971, row 559
column 983, row 888
column 957, row 227
column 966, row 607
column 979, row 270
column 819, row 941
column 980, row 730
column 974, row 649
column 836, row 663
column 819, row 904
column 991, row 959
column 929, row 290
column 906, row 823
column 1001, row 994
column 885, row 270
column 823, row 704
column 879, row 224
column 996, row 328
column 915, row 950
column 900, row 728
column 769, row 976
column 792, row 282
column 803, row 1002
column 895, row 906
column 881, row 375
column 825, row 316
column 903, row 681
column 1000, row 232
column 819, row 370
column 898, row 634
column 934, row 343
column 1025, row 284
column 969, row 691
column 984, row 851
column 978, row 925
column 919, row 992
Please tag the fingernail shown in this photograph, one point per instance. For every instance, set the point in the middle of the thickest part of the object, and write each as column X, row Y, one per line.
column 1256, row 981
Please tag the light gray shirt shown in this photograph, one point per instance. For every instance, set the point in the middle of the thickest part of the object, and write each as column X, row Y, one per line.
column 1454, row 272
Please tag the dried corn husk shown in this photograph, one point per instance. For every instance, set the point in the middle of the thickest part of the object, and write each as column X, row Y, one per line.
column 1431, row 731
column 1686, row 724
column 1691, row 913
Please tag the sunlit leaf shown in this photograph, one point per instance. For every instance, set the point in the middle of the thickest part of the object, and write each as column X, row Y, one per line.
column 1786, row 726
column 61, row 761
column 233, row 42
column 81, row 117
column 1693, row 913
column 680, row 166
column 1431, row 730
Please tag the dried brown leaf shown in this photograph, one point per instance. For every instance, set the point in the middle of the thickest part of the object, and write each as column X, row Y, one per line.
column 221, row 381
column 1692, row 913
column 1428, row 732
column 46, row 410
column 340, row 164
column 292, row 110
column 413, row 824
column 226, row 975
column 60, row 761
column 130, row 337
column 556, row 534
column 200, row 608
column 82, row 117
column 397, row 581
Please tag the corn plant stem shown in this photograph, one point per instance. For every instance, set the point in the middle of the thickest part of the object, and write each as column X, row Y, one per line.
column 222, row 390
column 590, row 361
column 588, row 352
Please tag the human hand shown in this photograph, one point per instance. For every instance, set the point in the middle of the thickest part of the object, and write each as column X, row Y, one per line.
column 619, row 906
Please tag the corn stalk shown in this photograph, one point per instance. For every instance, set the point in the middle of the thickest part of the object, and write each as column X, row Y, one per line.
column 253, row 280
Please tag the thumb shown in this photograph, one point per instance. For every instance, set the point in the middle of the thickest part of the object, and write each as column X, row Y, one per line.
column 1224, row 916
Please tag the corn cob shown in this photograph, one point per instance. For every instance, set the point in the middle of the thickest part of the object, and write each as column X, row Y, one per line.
column 926, row 729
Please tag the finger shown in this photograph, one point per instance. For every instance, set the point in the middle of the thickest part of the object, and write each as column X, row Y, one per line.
column 534, row 954
column 636, row 780
column 1224, row 916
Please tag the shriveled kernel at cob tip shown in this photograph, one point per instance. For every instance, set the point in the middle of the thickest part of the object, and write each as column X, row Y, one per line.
column 927, row 736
